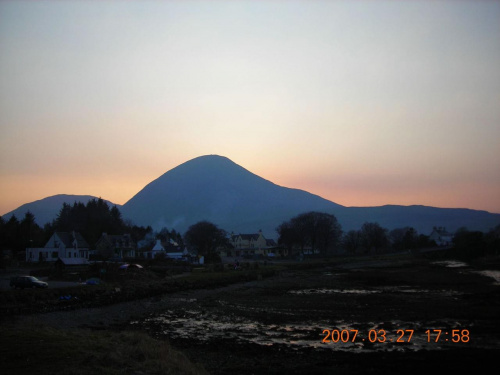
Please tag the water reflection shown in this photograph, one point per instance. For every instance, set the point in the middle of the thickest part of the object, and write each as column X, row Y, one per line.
column 198, row 325
column 451, row 264
column 495, row 275
column 332, row 291
column 296, row 325
column 391, row 289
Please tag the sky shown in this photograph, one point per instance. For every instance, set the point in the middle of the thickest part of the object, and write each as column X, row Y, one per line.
column 364, row 103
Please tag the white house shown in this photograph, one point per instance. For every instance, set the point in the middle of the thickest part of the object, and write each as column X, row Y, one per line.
column 157, row 249
column 441, row 236
column 64, row 245
column 249, row 244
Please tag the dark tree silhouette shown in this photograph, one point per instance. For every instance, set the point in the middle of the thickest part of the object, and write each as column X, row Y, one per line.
column 17, row 235
column 404, row 238
column 317, row 230
column 469, row 244
column 90, row 220
column 205, row 237
column 373, row 237
column 351, row 241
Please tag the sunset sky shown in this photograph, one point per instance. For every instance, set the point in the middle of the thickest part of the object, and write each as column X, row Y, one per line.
column 364, row 103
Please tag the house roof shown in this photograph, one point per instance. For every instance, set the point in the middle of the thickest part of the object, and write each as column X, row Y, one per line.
column 117, row 240
column 158, row 246
column 249, row 236
column 67, row 238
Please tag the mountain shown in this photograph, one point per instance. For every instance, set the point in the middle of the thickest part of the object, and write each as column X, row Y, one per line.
column 47, row 209
column 422, row 218
column 216, row 189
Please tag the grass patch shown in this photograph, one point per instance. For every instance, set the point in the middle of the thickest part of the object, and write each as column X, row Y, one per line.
column 42, row 350
column 13, row 302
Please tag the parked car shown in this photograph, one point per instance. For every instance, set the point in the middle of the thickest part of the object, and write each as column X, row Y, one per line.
column 27, row 282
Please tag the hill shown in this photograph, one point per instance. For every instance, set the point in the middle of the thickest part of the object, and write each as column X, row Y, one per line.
column 216, row 189
column 47, row 209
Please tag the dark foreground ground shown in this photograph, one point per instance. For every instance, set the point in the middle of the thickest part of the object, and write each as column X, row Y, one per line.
column 277, row 325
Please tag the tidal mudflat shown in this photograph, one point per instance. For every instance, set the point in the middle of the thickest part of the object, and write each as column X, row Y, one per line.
column 369, row 317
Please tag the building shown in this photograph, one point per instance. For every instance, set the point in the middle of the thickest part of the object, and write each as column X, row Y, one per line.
column 155, row 251
column 117, row 246
column 441, row 236
column 250, row 245
column 61, row 245
column 169, row 249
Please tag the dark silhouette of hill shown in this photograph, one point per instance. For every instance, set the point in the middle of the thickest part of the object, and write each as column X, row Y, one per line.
column 216, row 189
column 47, row 209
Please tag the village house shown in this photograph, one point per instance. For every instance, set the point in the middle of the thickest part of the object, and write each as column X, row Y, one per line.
column 61, row 245
column 118, row 246
column 154, row 251
column 249, row 245
column 169, row 249
column 441, row 236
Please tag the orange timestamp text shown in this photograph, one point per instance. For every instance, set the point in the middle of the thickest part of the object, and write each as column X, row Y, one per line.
column 399, row 336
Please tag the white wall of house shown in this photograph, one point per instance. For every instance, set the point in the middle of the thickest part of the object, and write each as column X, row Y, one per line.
column 157, row 249
column 46, row 254
column 54, row 249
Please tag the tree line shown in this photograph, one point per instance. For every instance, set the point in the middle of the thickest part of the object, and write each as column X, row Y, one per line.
column 90, row 220
column 322, row 232
column 316, row 231
column 93, row 219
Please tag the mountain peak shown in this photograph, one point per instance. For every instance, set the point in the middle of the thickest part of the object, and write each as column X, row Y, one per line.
column 214, row 188
column 211, row 157
column 209, row 161
column 207, row 170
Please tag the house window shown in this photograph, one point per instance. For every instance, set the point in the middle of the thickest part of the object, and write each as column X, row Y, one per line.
column 69, row 255
column 55, row 254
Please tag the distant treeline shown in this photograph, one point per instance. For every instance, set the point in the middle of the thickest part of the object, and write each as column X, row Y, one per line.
column 91, row 220
column 322, row 232
column 307, row 231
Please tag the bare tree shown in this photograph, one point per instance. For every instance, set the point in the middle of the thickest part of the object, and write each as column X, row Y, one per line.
column 373, row 237
column 352, row 241
column 317, row 230
column 206, row 238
